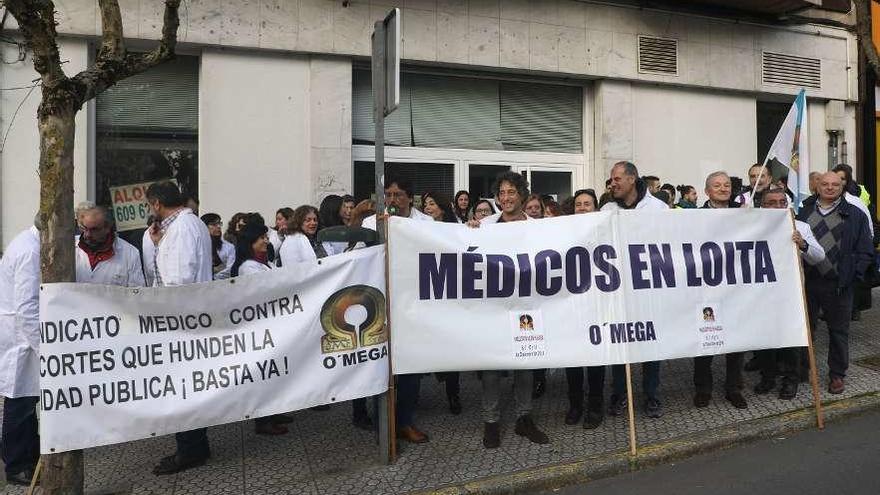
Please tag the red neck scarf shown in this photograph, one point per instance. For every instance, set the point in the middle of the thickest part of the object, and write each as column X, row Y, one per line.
column 262, row 257
column 102, row 253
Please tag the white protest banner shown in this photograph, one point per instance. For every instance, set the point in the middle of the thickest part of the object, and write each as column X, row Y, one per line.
column 593, row 289
column 119, row 364
column 130, row 207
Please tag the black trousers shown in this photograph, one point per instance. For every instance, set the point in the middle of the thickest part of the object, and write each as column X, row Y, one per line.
column 836, row 304
column 595, row 383
column 785, row 362
column 20, row 444
column 193, row 444
column 733, row 380
column 452, row 379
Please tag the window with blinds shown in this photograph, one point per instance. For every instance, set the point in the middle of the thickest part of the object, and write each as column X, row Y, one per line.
column 468, row 113
column 147, row 130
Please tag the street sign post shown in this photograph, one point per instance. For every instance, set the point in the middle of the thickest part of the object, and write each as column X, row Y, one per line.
column 386, row 98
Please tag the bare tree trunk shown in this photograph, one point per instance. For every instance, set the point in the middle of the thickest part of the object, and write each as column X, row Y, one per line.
column 865, row 35
column 63, row 97
column 63, row 472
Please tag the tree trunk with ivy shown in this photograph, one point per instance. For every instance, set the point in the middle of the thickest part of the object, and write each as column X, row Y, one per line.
column 62, row 98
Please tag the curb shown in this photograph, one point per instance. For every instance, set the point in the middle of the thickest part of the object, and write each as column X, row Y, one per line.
column 607, row 465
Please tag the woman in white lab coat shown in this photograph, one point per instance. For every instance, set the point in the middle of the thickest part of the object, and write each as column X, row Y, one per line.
column 279, row 233
column 302, row 245
column 251, row 257
column 222, row 251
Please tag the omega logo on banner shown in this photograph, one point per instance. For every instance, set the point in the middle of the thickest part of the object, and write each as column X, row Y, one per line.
column 340, row 334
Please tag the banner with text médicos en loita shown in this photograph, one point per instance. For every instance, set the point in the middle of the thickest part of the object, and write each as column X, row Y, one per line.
column 120, row 364
column 593, row 289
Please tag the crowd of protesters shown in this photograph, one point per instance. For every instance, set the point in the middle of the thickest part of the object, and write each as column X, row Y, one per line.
column 834, row 234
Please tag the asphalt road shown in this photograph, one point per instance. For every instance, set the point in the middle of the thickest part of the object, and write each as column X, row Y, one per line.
column 842, row 460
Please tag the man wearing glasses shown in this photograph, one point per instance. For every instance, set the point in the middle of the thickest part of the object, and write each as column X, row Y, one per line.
column 101, row 256
column 786, row 362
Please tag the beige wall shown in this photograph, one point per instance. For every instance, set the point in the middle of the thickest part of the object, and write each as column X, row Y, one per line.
column 274, row 130
column 564, row 36
column 19, row 160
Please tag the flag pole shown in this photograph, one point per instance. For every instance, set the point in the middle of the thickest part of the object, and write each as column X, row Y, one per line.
column 811, row 353
column 630, row 410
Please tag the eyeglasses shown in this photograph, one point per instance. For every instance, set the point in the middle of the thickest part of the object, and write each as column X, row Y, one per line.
column 83, row 228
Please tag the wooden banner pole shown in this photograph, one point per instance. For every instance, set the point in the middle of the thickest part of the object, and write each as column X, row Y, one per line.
column 36, row 477
column 811, row 353
column 630, row 410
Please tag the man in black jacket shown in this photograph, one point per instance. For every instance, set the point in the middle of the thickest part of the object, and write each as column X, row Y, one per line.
column 718, row 188
column 842, row 230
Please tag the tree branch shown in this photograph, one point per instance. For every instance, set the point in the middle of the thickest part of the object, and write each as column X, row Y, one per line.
column 114, row 63
column 112, row 42
column 36, row 20
column 866, row 40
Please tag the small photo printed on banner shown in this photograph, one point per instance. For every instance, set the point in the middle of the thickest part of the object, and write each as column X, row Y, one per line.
column 710, row 327
column 529, row 337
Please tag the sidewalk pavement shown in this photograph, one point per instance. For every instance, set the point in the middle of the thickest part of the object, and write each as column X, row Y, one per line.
column 325, row 454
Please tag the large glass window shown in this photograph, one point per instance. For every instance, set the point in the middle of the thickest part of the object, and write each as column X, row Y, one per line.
column 147, row 130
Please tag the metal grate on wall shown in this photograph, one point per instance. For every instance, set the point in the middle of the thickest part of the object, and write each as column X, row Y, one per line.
column 658, row 55
column 791, row 70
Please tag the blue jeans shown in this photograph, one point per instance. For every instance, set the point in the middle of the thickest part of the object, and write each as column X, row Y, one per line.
column 407, row 397
column 650, row 379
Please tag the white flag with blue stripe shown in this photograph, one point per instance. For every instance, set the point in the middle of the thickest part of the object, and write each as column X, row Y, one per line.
column 790, row 148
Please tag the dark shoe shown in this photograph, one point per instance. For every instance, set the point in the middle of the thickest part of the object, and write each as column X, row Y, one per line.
column 595, row 415
column 525, row 427
column 653, row 408
column 281, row 419
column 271, row 429
column 454, row 405
column 788, row 390
column 836, row 386
column 574, row 414
column 737, row 399
column 22, row 478
column 752, row 365
column 173, row 464
column 362, row 422
column 491, row 435
column 320, row 408
column 618, row 404
column 765, row 386
column 411, row 435
column 701, row 399
column 540, row 388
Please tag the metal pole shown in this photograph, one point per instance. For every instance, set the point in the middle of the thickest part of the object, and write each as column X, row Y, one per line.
column 378, row 73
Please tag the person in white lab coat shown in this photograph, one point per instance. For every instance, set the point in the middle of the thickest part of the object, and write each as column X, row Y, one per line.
column 399, row 193
column 222, row 251
column 19, row 355
column 182, row 256
column 101, row 256
column 251, row 257
column 301, row 243
column 148, row 254
column 279, row 233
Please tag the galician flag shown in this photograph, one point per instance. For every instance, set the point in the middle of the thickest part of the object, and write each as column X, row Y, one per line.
column 790, row 149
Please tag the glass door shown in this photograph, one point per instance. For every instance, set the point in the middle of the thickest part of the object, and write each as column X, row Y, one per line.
column 550, row 182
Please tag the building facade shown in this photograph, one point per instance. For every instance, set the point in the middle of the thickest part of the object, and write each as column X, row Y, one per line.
column 268, row 104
